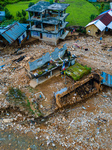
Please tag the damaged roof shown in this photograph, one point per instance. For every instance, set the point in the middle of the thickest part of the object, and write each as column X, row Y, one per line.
column 13, row 32
column 103, row 20
column 42, row 6
column 58, row 6
column 58, row 53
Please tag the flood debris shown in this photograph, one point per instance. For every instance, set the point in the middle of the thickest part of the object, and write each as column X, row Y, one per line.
column 107, row 79
column 89, row 127
column 1, row 67
column 19, row 59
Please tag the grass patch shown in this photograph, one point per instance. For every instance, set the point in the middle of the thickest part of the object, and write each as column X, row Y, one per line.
column 14, row 8
column 79, row 10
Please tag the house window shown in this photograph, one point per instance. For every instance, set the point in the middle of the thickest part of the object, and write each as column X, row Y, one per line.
column 35, row 33
column 49, row 35
column 23, row 36
column 89, row 31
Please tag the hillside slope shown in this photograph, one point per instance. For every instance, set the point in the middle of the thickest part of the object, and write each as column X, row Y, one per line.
column 79, row 10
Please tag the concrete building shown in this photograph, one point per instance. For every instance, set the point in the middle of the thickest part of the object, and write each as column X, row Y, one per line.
column 47, row 21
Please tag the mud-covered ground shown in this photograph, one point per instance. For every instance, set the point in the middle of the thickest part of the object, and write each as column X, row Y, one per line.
column 86, row 125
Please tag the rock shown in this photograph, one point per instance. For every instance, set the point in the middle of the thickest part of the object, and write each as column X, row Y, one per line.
column 7, row 120
column 33, row 83
column 53, row 144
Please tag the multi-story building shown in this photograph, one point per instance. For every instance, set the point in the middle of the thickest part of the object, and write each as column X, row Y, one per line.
column 47, row 21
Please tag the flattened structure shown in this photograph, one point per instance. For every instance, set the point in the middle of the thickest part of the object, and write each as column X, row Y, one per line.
column 47, row 57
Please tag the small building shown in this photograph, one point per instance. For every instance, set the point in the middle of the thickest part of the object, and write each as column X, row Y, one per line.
column 92, row 1
column 13, row 34
column 47, row 21
column 2, row 15
column 100, row 24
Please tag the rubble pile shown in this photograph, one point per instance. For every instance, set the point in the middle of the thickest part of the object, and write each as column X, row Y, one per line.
column 86, row 125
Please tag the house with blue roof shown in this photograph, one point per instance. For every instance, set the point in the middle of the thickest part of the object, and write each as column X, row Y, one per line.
column 47, row 21
column 2, row 15
column 13, row 34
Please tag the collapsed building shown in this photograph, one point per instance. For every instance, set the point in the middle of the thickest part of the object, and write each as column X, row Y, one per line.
column 47, row 21
column 50, row 64
column 60, row 68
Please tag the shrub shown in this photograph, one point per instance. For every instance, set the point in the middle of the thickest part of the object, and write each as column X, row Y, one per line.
column 8, row 15
column 18, row 14
column 30, row 4
column 23, row 12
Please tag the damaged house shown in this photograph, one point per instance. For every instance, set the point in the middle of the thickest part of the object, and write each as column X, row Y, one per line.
column 51, row 64
column 100, row 24
column 47, row 21
column 13, row 34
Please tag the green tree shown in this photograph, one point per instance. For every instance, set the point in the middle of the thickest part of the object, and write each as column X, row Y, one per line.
column 1, row 8
column 18, row 14
column 92, row 17
column 22, row 20
column 30, row 4
column 8, row 15
column 101, row 8
column 23, row 13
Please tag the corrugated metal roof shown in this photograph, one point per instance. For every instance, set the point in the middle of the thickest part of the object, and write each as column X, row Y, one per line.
column 103, row 20
column 106, row 19
column 110, row 25
column 110, row 12
column 90, row 23
column 1, row 30
column 100, row 25
column 13, row 32
column 107, row 79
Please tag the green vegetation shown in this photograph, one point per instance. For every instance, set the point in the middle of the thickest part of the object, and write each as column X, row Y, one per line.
column 100, row 6
column 29, row 107
column 77, row 71
column 5, row 2
column 22, row 5
column 7, row 22
column 30, row 4
column 81, row 11
column 17, row 98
